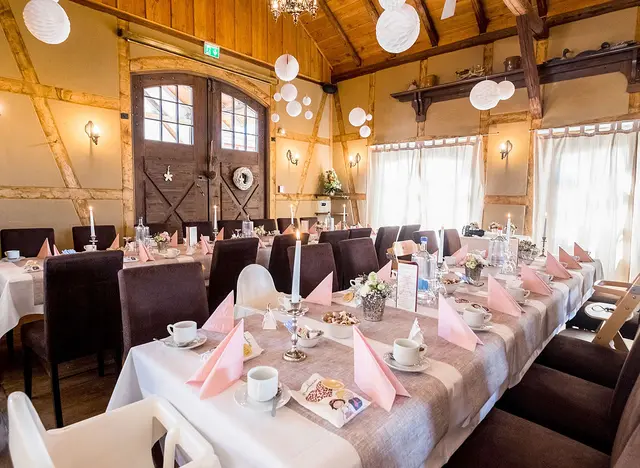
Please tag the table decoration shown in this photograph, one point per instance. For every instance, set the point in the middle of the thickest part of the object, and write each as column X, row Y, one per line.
column 45, row 250
column 580, row 252
column 294, row 354
column 407, row 287
column 308, row 337
column 571, row 261
column 162, row 240
column 32, row 266
column 92, row 224
column 340, row 323
column 473, row 265
column 260, row 231
column 115, row 245
column 453, row 328
column 295, row 281
column 173, row 242
column 500, row 300
column 143, row 254
column 384, row 273
column 222, row 319
column 205, row 248
column 527, row 251
column 269, row 321
column 532, row 281
column 553, row 267
column 322, row 293
column 374, row 292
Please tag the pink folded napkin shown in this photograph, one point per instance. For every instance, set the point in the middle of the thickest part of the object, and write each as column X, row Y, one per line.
column 205, row 247
column 322, row 293
column 220, row 235
column 45, row 250
column 290, row 230
column 452, row 328
column 373, row 231
column 580, row 252
column 372, row 375
column 223, row 367
column 532, row 282
column 554, row 267
column 174, row 240
column 461, row 254
column 500, row 300
column 571, row 262
column 143, row 254
column 385, row 272
column 56, row 252
column 339, row 226
column 115, row 245
column 313, row 229
column 261, row 244
column 358, row 226
column 222, row 319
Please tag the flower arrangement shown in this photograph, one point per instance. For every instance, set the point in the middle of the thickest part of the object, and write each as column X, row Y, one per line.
column 527, row 251
column 331, row 184
column 374, row 286
column 260, row 231
column 474, row 260
column 495, row 226
column 162, row 237
column 474, row 225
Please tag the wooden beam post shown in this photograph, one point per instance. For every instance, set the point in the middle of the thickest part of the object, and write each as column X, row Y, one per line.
column 126, row 139
column 345, row 157
column 422, row 82
column 334, row 22
column 273, row 162
column 481, row 17
column 372, row 108
column 427, row 22
column 485, row 116
column 524, row 8
column 529, row 65
column 634, row 98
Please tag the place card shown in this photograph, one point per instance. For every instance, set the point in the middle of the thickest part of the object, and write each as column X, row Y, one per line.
column 191, row 235
column 407, row 287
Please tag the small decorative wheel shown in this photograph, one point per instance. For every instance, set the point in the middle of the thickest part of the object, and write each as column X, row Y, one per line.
column 243, row 178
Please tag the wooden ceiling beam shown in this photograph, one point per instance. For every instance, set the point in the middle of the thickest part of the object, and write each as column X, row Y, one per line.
column 427, row 22
column 531, row 79
column 371, row 9
column 481, row 17
column 524, row 8
column 334, row 22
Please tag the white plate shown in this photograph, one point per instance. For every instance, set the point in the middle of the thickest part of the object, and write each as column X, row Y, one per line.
column 485, row 327
column 241, row 397
column 423, row 365
column 201, row 339
column 5, row 259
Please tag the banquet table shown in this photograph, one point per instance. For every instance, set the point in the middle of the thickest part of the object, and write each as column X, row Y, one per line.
column 482, row 243
column 447, row 400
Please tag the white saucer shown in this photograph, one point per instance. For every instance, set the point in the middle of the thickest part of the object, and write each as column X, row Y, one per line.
column 201, row 339
column 423, row 365
column 486, row 327
column 241, row 397
column 5, row 259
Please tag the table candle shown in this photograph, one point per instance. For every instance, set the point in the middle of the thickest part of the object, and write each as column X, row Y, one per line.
column 344, row 216
column 215, row 217
column 544, row 229
column 508, row 226
column 295, row 286
column 441, row 249
column 291, row 210
column 91, row 222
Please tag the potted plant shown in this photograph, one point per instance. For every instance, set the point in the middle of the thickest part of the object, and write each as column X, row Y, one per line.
column 162, row 240
column 331, row 185
column 374, row 293
column 473, row 265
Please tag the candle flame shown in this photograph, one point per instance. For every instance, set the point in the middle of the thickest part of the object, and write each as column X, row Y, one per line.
column 298, row 234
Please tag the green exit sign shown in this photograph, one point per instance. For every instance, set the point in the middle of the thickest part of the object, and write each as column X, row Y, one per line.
column 212, row 50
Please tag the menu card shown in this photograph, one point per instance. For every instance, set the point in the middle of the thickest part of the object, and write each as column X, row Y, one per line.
column 407, row 286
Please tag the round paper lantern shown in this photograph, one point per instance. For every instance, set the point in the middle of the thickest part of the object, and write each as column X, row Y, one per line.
column 289, row 92
column 294, row 108
column 306, row 101
column 287, row 67
column 365, row 131
column 277, row 97
column 397, row 30
column 485, row 95
column 47, row 21
column 275, row 117
column 308, row 115
column 391, row 4
column 357, row 116
column 506, row 89
column 369, row 117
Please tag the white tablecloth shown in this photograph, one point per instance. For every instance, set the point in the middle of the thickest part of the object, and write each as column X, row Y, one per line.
column 482, row 243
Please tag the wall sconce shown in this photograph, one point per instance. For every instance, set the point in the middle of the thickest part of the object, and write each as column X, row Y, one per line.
column 281, row 131
column 354, row 161
column 505, row 149
column 92, row 131
column 293, row 159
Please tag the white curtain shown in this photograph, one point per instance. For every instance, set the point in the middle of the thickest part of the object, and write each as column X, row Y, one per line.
column 583, row 181
column 436, row 183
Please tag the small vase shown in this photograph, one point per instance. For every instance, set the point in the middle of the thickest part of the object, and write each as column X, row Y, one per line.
column 473, row 273
column 373, row 307
column 162, row 247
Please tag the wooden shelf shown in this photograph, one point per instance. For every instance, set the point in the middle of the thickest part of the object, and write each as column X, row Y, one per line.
column 623, row 60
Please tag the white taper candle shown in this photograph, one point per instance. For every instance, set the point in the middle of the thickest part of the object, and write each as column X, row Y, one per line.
column 295, row 286
column 91, row 222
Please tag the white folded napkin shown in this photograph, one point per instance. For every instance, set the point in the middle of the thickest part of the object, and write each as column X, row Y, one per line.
column 416, row 333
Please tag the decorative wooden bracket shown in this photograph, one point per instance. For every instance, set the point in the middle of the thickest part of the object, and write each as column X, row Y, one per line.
column 420, row 105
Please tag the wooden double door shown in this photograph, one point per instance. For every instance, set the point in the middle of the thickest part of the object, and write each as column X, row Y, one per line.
column 190, row 135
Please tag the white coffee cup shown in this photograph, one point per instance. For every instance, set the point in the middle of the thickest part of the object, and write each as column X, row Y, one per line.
column 356, row 283
column 262, row 383
column 546, row 277
column 476, row 317
column 12, row 254
column 173, row 253
column 519, row 294
column 183, row 332
column 90, row 248
column 450, row 261
column 408, row 352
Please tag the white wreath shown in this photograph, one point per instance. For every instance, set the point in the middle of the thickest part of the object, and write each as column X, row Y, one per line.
column 243, row 178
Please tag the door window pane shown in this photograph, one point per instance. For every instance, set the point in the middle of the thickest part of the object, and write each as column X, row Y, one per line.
column 227, row 103
column 152, row 108
column 227, row 121
column 169, row 112
column 227, row 140
column 169, row 132
column 251, row 112
column 239, row 125
column 252, row 126
column 170, row 93
column 164, row 108
column 185, row 95
column 251, row 143
column 185, row 134
column 186, row 114
column 152, row 129
column 152, row 92
column 239, row 141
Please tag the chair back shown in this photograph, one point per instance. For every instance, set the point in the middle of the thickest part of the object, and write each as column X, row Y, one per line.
column 627, row 378
column 406, row 232
column 357, row 233
column 385, row 238
column 334, row 238
column 255, row 288
column 626, row 445
column 279, row 261
column 432, row 240
column 27, row 442
column 451, row 242
column 229, row 225
column 205, row 228
column 230, row 257
column 157, row 228
column 27, row 241
column 316, row 262
column 284, row 223
column 82, row 304
column 628, row 304
column 154, row 297
column 358, row 258
column 269, row 224
column 309, row 221
column 82, row 235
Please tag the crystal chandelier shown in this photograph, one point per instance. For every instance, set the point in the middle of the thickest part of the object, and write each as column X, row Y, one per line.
column 293, row 7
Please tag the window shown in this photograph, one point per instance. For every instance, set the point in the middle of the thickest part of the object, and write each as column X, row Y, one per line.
column 168, row 114
column 239, row 125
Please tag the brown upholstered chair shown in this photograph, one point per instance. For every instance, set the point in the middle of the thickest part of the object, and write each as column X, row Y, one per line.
column 156, row 228
column 229, row 259
column 334, row 238
column 451, row 242
column 269, row 224
column 105, row 236
column 81, row 315
column 385, row 238
column 432, row 240
column 284, row 223
column 205, row 228
column 357, row 233
column 312, row 220
column 406, row 232
column 27, row 241
column 230, row 226
column 279, row 260
column 154, row 297
column 316, row 262
column 358, row 258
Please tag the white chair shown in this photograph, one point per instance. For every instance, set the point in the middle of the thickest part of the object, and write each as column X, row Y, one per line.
column 256, row 288
column 119, row 438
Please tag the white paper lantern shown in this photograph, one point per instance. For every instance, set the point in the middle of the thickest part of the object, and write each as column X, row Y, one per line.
column 397, row 30
column 275, row 117
column 308, row 115
column 294, row 108
column 277, row 97
column 485, row 95
column 365, row 131
column 391, row 4
column 357, row 116
column 506, row 89
column 369, row 117
column 287, row 67
column 47, row 21
column 289, row 92
column 306, row 101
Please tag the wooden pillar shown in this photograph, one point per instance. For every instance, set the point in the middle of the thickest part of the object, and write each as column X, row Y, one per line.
column 422, row 82
column 126, row 146
column 273, row 129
